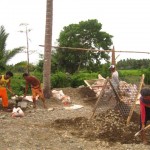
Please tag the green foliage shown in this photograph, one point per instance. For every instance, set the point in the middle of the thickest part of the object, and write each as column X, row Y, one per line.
column 39, row 66
column 130, row 76
column 22, row 67
column 18, row 84
column 86, row 34
column 133, row 64
column 60, row 79
column 39, row 75
column 6, row 55
column 130, row 72
column 78, row 78
column 146, row 72
column 3, row 38
column 104, row 70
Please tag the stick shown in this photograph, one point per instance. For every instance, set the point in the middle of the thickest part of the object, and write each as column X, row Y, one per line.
column 88, row 84
column 100, row 96
column 97, row 50
column 142, row 130
column 133, row 107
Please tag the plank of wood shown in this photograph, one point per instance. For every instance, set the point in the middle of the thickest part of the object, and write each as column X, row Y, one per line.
column 88, row 84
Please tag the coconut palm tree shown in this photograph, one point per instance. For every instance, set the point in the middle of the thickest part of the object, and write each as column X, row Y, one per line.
column 47, row 49
column 6, row 55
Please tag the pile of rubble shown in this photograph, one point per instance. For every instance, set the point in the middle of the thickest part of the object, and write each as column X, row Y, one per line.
column 109, row 126
column 126, row 91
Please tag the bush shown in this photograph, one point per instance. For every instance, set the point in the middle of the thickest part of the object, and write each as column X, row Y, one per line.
column 78, row 79
column 38, row 75
column 60, row 79
column 18, row 84
column 147, row 76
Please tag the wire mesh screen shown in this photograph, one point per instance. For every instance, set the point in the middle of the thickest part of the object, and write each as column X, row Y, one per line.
column 121, row 99
column 107, row 100
column 128, row 93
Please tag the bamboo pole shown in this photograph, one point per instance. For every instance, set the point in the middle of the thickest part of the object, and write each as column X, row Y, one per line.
column 113, row 61
column 88, row 84
column 133, row 107
column 98, row 50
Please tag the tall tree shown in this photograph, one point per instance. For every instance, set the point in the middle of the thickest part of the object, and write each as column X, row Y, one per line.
column 47, row 49
column 86, row 34
column 6, row 55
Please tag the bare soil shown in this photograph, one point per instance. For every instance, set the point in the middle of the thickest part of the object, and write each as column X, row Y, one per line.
column 60, row 129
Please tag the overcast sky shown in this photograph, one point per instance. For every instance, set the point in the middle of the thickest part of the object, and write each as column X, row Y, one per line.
column 127, row 20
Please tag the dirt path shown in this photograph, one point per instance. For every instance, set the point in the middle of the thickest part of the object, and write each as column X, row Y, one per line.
column 61, row 129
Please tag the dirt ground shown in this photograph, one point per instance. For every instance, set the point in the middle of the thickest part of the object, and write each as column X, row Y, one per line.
column 60, row 129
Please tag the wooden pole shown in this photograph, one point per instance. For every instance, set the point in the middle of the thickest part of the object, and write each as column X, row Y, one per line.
column 134, row 104
column 113, row 61
column 97, row 50
column 100, row 96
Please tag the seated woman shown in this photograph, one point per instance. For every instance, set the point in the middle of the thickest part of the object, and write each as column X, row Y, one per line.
column 144, row 110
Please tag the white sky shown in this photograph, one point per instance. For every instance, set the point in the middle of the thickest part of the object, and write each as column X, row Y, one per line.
column 127, row 20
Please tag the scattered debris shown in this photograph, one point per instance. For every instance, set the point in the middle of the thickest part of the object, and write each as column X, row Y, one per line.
column 74, row 106
column 59, row 95
column 17, row 112
column 50, row 109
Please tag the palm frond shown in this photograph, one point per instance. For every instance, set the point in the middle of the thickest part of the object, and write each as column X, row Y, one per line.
column 11, row 53
column 3, row 38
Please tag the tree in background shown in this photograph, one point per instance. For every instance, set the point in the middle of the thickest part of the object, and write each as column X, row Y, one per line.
column 6, row 55
column 86, row 34
column 47, row 49
column 22, row 67
column 133, row 64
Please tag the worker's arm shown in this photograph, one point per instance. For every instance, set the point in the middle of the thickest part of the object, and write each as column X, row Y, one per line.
column 9, row 88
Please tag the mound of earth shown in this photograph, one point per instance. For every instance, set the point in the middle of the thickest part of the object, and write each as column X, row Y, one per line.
column 56, row 128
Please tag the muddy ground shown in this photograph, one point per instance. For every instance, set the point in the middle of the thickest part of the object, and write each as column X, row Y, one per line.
column 60, row 129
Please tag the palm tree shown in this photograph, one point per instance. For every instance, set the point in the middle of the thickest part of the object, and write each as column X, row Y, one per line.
column 47, row 49
column 6, row 55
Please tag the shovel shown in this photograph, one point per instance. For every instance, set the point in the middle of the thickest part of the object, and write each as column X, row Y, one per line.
column 142, row 130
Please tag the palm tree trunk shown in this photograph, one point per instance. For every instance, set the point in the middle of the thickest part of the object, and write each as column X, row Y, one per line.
column 47, row 49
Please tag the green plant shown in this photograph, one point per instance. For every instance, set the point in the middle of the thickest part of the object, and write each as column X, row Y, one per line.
column 60, row 79
column 78, row 78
